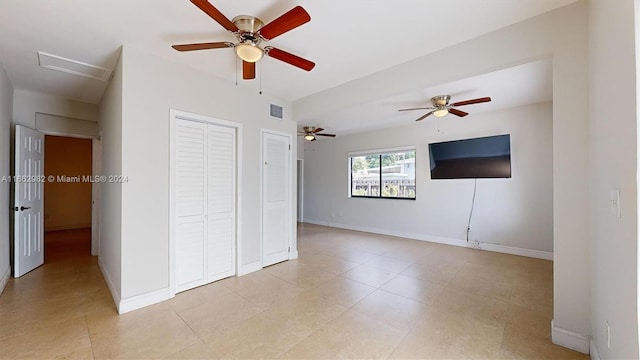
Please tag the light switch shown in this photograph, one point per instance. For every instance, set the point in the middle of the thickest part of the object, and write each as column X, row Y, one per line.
column 614, row 201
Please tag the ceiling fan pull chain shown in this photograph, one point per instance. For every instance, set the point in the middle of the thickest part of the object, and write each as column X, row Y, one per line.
column 260, row 69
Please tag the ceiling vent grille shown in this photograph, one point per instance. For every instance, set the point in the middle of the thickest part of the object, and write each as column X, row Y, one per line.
column 69, row 66
column 276, row 111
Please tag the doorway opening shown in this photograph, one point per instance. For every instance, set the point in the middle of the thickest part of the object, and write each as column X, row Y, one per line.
column 67, row 198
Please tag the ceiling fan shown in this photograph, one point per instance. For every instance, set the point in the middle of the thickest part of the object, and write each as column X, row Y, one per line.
column 310, row 133
column 441, row 106
column 250, row 33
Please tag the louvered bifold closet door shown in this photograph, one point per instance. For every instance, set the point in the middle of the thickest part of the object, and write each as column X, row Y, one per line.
column 221, row 202
column 190, row 202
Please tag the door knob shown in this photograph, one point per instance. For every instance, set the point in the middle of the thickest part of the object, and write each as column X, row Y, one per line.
column 22, row 208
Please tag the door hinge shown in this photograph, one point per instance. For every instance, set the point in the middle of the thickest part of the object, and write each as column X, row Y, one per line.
column 289, row 146
column 289, row 248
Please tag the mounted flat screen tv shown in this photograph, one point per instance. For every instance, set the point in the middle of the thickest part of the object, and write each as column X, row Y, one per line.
column 484, row 157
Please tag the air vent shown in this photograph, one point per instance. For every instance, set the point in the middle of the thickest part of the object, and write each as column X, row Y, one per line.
column 73, row 67
column 275, row 111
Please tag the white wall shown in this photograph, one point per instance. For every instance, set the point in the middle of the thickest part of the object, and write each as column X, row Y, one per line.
column 109, row 256
column 563, row 35
column 6, row 106
column 27, row 103
column 515, row 212
column 152, row 86
column 614, row 164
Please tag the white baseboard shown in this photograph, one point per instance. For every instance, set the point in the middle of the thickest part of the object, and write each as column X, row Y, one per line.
column 569, row 339
column 4, row 278
column 142, row 300
column 249, row 268
column 115, row 294
column 538, row 254
column 593, row 352
column 293, row 255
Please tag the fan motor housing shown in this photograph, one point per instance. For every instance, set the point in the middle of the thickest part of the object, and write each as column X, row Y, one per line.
column 440, row 100
column 248, row 23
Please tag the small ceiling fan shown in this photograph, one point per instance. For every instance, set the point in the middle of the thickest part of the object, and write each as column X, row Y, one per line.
column 250, row 32
column 310, row 133
column 441, row 106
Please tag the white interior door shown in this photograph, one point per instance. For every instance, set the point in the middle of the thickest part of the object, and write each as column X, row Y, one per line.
column 221, row 207
column 190, row 204
column 205, row 203
column 29, row 200
column 276, row 187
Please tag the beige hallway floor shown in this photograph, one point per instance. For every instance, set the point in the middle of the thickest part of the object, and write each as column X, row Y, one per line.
column 350, row 295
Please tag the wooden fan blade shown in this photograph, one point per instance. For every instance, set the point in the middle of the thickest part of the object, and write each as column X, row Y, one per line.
column 472, row 101
column 288, row 21
column 424, row 116
column 216, row 15
column 202, row 46
column 289, row 58
column 317, row 130
column 329, row 135
column 248, row 70
column 458, row 112
column 420, row 108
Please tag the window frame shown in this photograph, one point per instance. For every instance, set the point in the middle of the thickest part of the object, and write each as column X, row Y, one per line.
column 379, row 153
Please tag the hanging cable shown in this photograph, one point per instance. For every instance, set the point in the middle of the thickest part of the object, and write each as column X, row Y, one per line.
column 473, row 201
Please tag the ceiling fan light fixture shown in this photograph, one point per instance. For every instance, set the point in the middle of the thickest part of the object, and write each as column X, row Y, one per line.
column 309, row 137
column 249, row 52
column 440, row 112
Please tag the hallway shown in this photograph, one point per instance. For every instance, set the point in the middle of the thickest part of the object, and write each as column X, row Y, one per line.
column 43, row 312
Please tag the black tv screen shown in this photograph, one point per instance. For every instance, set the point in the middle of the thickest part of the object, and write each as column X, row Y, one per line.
column 485, row 157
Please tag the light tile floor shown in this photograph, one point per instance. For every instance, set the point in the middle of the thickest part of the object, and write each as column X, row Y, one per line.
column 350, row 295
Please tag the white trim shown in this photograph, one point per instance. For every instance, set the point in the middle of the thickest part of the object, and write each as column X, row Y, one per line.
column 172, row 203
column 538, row 254
column 593, row 352
column 239, row 187
column 5, row 279
column 300, row 189
column 569, row 339
column 69, row 135
column 174, row 115
column 381, row 151
column 293, row 254
column 115, row 294
column 249, row 268
column 142, row 300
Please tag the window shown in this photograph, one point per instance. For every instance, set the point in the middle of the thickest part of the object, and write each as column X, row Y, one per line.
column 387, row 174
